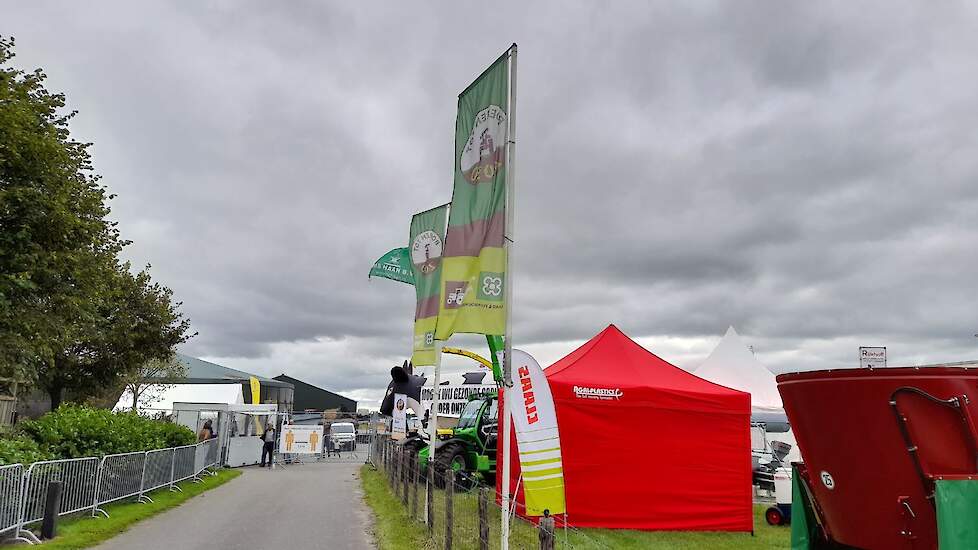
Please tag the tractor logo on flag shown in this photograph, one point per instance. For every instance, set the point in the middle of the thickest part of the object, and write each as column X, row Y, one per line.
column 483, row 153
column 455, row 293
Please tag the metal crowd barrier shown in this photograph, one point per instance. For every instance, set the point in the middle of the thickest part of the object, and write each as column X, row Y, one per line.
column 183, row 465
column 205, row 455
column 158, row 472
column 121, row 476
column 90, row 483
column 11, row 479
column 79, row 477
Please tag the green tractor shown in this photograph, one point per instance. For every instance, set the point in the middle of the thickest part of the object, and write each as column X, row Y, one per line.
column 469, row 449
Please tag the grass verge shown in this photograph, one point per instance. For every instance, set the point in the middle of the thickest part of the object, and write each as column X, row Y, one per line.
column 394, row 529
column 84, row 531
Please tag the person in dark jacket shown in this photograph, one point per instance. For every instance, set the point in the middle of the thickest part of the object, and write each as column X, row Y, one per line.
column 205, row 433
column 268, row 446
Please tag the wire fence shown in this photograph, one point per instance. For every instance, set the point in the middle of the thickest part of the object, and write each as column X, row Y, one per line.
column 460, row 512
column 87, row 484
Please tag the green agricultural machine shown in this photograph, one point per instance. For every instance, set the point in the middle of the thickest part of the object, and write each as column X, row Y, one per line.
column 469, row 449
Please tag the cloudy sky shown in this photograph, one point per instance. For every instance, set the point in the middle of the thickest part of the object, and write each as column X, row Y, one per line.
column 807, row 172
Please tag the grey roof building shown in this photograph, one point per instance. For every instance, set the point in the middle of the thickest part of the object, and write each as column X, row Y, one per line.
column 313, row 398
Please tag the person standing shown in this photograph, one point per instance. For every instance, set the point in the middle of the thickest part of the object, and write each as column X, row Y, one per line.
column 268, row 446
column 206, row 432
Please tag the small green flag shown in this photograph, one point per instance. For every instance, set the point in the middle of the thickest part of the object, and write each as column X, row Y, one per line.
column 395, row 265
column 425, row 248
column 473, row 275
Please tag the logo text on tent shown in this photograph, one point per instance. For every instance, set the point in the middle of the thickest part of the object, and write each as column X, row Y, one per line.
column 528, row 400
column 597, row 393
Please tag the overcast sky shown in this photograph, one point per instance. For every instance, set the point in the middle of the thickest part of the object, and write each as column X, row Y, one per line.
column 806, row 172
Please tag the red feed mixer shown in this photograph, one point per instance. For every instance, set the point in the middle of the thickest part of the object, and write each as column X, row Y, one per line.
column 874, row 442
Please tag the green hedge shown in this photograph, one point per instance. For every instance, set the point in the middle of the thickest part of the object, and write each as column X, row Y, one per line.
column 75, row 431
column 20, row 448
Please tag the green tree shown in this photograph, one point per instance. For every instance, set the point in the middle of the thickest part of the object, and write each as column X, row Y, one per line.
column 72, row 316
column 54, row 235
column 147, row 383
column 136, row 322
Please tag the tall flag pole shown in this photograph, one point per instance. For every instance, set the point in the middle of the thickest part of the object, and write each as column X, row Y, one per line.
column 508, row 291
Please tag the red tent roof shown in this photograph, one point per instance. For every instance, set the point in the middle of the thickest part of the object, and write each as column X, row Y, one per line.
column 611, row 356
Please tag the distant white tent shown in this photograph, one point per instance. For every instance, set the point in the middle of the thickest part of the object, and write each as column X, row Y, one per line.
column 731, row 364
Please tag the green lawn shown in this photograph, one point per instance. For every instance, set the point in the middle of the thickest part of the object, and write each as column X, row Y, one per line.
column 84, row 531
column 394, row 530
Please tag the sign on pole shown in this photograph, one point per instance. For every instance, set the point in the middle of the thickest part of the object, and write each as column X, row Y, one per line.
column 301, row 439
column 872, row 358
column 399, row 423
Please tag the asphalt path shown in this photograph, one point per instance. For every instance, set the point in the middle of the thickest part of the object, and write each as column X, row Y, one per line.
column 302, row 507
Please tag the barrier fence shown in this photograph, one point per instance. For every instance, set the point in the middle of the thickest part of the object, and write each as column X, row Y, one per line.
column 90, row 483
column 11, row 479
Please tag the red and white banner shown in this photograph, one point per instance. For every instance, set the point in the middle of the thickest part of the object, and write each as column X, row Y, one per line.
column 537, row 437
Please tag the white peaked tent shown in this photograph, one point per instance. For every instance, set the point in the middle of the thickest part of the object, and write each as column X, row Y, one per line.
column 731, row 364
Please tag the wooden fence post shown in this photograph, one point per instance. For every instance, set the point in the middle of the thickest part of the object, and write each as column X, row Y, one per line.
column 414, row 489
column 430, row 497
column 449, row 509
column 547, row 533
column 405, row 475
column 396, row 480
column 484, row 518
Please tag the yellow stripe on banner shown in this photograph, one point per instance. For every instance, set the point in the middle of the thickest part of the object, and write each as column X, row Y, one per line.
column 540, row 451
column 538, row 473
column 545, row 496
column 552, row 481
column 538, row 462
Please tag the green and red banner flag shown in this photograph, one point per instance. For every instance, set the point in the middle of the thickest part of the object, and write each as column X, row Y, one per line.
column 425, row 249
column 395, row 265
column 473, row 271
column 537, row 437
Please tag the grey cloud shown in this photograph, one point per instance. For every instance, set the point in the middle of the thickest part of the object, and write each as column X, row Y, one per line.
column 805, row 172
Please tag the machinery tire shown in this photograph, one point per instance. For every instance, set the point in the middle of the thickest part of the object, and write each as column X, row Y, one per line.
column 448, row 457
column 773, row 516
column 413, row 447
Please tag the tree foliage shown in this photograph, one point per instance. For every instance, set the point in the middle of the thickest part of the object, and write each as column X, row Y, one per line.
column 73, row 316
column 145, row 384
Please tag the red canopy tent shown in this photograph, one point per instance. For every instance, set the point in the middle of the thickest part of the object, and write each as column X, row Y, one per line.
column 647, row 445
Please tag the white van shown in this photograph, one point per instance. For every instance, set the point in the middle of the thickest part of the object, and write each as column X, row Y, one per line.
column 344, row 435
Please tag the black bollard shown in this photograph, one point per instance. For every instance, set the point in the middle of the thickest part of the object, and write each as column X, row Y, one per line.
column 52, row 508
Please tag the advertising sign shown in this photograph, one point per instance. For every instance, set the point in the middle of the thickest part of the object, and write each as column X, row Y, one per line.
column 453, row 397
column 399, row 425
column 301, row 439
column 872, row 358
column 473, row 273
column 537, row 438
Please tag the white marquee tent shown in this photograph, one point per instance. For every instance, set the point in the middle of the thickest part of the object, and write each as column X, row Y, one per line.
column 731, row 364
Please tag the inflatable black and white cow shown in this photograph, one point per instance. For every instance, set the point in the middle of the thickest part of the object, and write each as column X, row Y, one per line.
column 403, row 380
